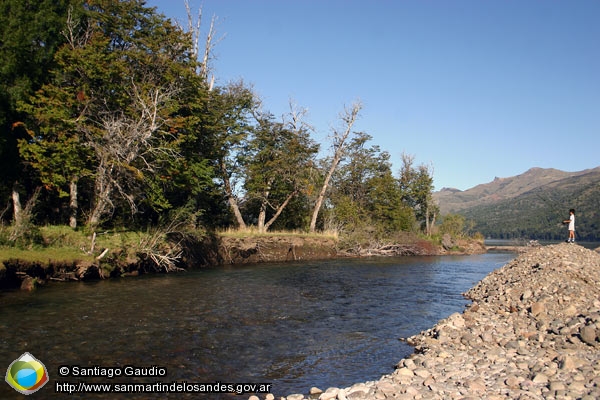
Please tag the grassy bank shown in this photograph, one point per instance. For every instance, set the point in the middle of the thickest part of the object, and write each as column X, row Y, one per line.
column 64, row 245
column 60, row 253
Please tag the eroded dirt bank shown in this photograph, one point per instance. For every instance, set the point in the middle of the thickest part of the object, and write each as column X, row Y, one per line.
column 213, row 251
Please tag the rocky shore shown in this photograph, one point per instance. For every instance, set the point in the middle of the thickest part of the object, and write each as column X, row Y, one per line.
column 531, row 332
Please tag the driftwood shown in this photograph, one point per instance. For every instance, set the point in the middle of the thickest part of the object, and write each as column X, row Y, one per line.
column 386, row 250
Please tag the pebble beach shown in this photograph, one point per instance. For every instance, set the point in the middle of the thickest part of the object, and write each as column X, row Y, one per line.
column 531, row 331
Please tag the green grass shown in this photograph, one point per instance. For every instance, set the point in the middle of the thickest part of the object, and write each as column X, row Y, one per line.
column 63, row 244
column 64, row 236
column 43, row 255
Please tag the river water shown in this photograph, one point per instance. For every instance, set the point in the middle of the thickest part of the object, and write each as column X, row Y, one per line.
column 292, row 325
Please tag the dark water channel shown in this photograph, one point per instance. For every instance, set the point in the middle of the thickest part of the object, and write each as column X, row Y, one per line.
column 295, row 325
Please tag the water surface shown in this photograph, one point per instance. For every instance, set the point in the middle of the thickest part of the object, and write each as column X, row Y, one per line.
column 294, row 325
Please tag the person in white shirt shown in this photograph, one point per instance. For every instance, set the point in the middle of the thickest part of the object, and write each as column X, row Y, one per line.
column 571, row 222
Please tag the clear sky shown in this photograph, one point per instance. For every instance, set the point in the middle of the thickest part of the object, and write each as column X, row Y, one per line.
column 475, row 89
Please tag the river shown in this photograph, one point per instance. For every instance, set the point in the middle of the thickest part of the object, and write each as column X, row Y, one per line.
column 293, row 325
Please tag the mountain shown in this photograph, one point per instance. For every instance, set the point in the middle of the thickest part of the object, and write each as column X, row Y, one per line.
column 530, row 205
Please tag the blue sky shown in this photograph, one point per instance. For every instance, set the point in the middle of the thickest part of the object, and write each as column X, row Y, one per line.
column 475, row 89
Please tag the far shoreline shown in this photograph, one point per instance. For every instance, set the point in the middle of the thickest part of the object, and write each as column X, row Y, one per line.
column 18, row 273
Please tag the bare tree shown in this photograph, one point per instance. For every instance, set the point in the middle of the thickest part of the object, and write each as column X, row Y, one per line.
column 24, row 219
column 348, row 117
column 209, row 44
column 125, row 139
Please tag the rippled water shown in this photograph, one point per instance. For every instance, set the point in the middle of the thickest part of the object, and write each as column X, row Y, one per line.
column 293, row 325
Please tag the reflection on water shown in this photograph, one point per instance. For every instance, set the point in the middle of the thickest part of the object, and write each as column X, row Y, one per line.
column 295, row 325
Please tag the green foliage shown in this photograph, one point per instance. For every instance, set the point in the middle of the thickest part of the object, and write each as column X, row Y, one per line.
column 31, row 33
column 538, row 214
column 119, row 128
column 453, row 224
column 416, row 187
column 113, row 112
column 278, row 163
column 386, row 204
column 366, row 200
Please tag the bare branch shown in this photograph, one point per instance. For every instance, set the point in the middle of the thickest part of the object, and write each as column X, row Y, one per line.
column 297, row 115
column 209, row 44
column 193, row 29
column 76, row 37
column 339, row 139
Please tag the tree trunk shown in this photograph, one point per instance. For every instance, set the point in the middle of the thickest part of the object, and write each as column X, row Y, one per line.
column 96, row 213
column 433, row 216
column 427, row 227
column 231, row 199
column 279, row 210
column 349, row 118
column 102, row 192
column 73, row 203
column 262, row 215
column 17, row 207
column 313, row 221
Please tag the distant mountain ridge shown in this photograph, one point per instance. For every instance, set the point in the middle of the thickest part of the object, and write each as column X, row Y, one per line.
column 530, row 204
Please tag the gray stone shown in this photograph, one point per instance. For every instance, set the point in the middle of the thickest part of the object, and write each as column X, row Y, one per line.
column 447, row 242
column 329, row 394
column 588, row 335
column 475, row 385
column 315, row 391
column 405, row 372
column 557, row 385
column 537, row 308
column 540, row 378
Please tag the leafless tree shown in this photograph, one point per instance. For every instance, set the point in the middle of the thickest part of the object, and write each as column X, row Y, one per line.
column 209, row 44
column 348, row 117
column 125, row 147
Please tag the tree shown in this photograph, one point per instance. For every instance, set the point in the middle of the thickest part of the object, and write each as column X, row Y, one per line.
column 423, row 191
column 30, row 33
column 278, row 163
column 364, row 195
column 386, row 206
column 56, row 151
column 453, row 224
column 416, row 186
column 348, row 117
column 225, row 125
column 117, row 97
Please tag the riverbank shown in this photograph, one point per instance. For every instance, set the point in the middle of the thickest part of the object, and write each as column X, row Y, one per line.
column 208, row 251
column 531, row 332
column 193, row 252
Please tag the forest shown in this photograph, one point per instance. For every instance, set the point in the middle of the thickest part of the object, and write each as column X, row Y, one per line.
column 537, row 214
column 111, row 119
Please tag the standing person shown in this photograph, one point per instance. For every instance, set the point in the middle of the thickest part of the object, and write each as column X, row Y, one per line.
column 571, row 222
